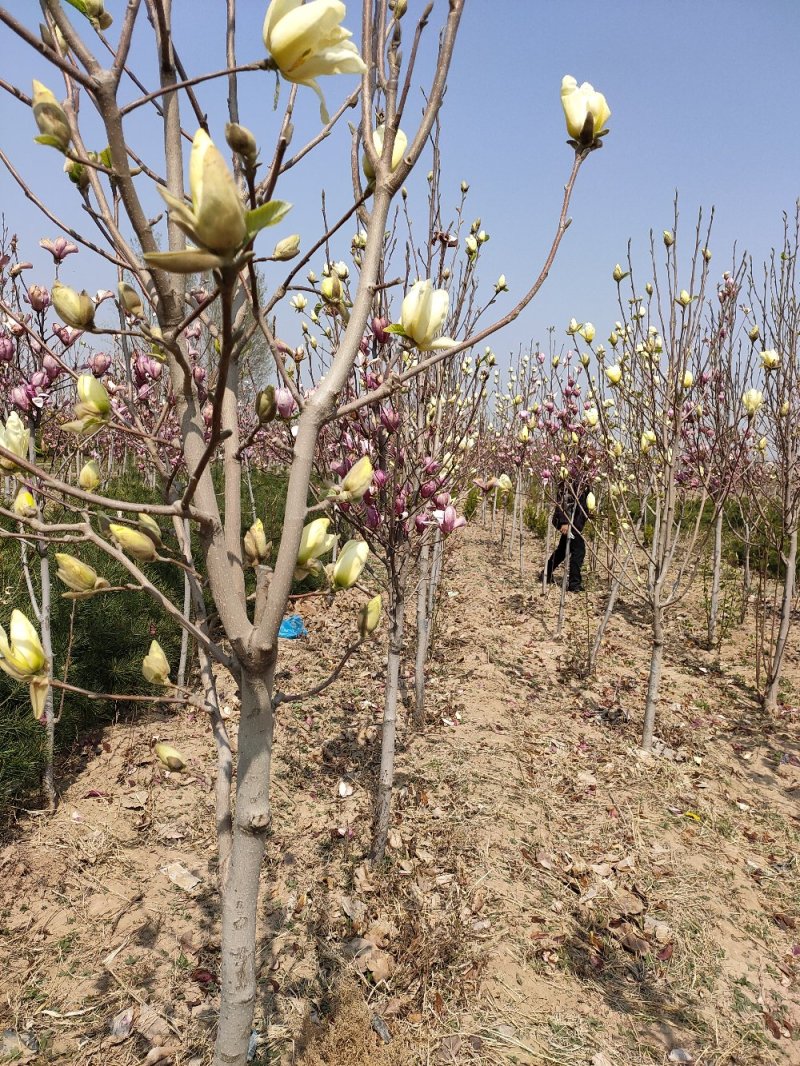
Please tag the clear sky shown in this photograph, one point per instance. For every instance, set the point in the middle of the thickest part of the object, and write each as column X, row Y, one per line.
column 703, row 98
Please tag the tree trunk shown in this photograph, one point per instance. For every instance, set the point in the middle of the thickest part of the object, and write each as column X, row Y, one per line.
column 774, row 675
column 48, row 781
column 238, row 977
column 716, row 575
column 383, row 804
column 656, row 662
column 746, row 575
column 423, row 623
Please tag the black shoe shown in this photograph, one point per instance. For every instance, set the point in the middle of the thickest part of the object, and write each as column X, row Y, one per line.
column 541, row 577
column 575, row 588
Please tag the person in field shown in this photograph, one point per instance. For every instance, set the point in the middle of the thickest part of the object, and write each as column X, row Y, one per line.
column 569, row 517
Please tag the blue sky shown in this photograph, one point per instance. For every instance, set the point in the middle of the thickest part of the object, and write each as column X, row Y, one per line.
column 702, row 98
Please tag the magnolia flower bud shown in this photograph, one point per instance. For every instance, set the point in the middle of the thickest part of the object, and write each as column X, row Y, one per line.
column 585, row 359
column 331, row 289
column 133, row 542
column 256, row 547
column 688, row 379
column 684, row 298
column 166, row 754
column 357, row 480
column 618, row 274
column 592, row 417
column 50, row 118
column 97, row 14
column 785, row 408
column 591, row 503
column 762, row 444
column 130, row 300
column 752, row 401
column 471, row 245
column 369, row 617
column 753, row 333
column 348, row 566
column 649, row 288
column 241, row 141
column 24, row 504
column 287, row 248
column 648, row 438
column 523, row 435
column 706, row 255
column 587, row 331
column 500, row 285
column 770, row 360
column 398, row 150
column 149, row 526
column 73, row 308
column 77, row 576
column 669, row 238
column 89, row 477
column 573, row 327
column 155, row 667
column 266, row 405
column 315, row 541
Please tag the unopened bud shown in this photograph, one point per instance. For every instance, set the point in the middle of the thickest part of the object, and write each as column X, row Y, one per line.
column 266, row 405
column 669, row 238
column 241, row 141
column 287, row 248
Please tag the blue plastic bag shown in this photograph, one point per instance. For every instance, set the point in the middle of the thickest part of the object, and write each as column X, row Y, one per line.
column 292, row 627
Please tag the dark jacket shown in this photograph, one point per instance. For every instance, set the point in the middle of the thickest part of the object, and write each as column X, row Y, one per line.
column 571, row 509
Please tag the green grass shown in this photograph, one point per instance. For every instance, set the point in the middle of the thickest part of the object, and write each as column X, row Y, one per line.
column 111, row 635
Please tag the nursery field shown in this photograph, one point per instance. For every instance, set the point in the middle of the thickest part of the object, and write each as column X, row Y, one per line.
column 551, row 893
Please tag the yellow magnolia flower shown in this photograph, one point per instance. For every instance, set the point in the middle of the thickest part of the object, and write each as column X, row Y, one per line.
column 155, row 666
column 505, row 484
column 15, row 438
column 256, row 547
column 134, row 543
column 770, row 360
column 614, row 374
column 149, row 526
column 585, row 110
column 21, row 653
column 752, row 401
column 357, row 480
column 308, row 41
column 89, row 477
column 130, row 299
column 398, row 150
column 347, row 568
column 315, row 541
column 50, row 118
column 80, row 578
column 591, row 417
column 170, row 757
column 74, row 308
column 369, row 617
column 24, row 504
column 591, row 502
column 688, row 379
column 423, row 314
column 216, row 220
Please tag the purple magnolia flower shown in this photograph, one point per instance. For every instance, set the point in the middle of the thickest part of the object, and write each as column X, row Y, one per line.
column 447, row 520
column 60, row 248
column 20, row 398
column 6, row 348
column 285, row 402
column 51, row 367
column 66, row 334
column 38, row 297
column 390, row 419
column 98, row 363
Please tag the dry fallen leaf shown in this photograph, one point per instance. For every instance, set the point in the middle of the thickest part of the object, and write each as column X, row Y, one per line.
column 345, row 789
column 180, row 876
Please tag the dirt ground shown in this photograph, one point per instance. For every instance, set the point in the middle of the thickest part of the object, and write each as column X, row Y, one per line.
column 551, row 896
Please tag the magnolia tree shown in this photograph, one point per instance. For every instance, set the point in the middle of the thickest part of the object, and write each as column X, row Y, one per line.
column 204, row 423
column 776, row 404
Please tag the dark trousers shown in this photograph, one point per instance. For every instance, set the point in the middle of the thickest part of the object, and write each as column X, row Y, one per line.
column 577, row 553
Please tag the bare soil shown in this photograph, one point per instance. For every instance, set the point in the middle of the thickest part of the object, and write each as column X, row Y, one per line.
column 551, row 896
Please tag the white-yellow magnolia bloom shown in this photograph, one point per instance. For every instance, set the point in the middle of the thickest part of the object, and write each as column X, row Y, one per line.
column 614, row 374
column 398, row 150
column 216, row 219
column 155, row 666
column 15, row 438
column 591, row 502
column 315, row 541
column 688, row 379
column 74, row 308
column 169, row 756
column 588, row 332
column 24, row 504
column 423, row 315
column 770, row 360
column 347, row 568
column 21, row 653
column 581, row 103
column 256, row 547
column 505, row 484
column 752, row 401
column 89, row 477
column 591, row 417
column 648, row 439
column 307, row 41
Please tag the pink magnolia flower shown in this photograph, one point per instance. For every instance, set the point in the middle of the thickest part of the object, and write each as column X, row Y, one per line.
column 51, row 367
column 98, row 363
column 6, row 348
column 285, row 402
column 447, row 520
column 59, row 248
column 38, row 297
